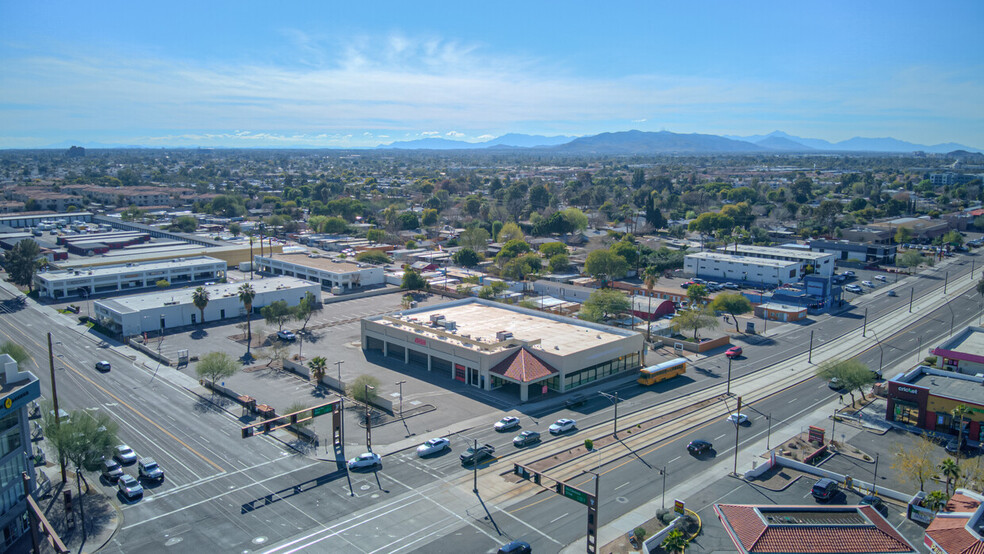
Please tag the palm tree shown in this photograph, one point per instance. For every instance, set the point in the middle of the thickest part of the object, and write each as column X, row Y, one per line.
column 675, row 541
column 318, row 366
column 650, row 277
column 246, row 295
column 958, row 413
column 951, row 471
column 200, row 299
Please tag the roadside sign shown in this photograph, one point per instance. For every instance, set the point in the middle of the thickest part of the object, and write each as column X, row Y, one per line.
column 576, row 495
column 816, row 434
column 678, row 506
column 321, row 410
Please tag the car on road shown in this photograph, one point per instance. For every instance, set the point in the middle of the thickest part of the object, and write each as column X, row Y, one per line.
column 698, row 447
column 881, row 278
column 868, row 284
column 575, row 400
column 824, row 489
column 125, row 455
column 892, row 293
column 111, row 470
column 475, row 456
column 506, row 423
column 835, row 384
column 102, row 366
column 526, row 438
column 875, row 502
column 369, row 459
column 853, row 288
column 286, row 335
column 148, row 469
column 848, row 274
column 562, row 426
column 738, row 419
column 516, row 547
column 130, row 487
column 433, row 446
column 733, row 352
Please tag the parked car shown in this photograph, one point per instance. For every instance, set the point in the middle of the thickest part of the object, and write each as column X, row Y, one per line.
column 286, row 335
column 562, row 426
column 880, row 278
column 130, row 487
column 738, row 419
column 369, row 459
column 875, row 502
column 868, row 284
column 698, row 447
column 731, row 286
column 853, row 288
column 125, row 455
column 733, row 352
column 102, row 366
column 506, row 423
column 955, row 444
column 111, row 470
column 824, row 489
column 575, row 400
column 848, row 274
column 148, row 469
column 516, row 547
column 433, row 446
column 526, row 438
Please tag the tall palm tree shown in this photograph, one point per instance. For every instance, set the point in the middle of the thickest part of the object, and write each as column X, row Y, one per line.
column 318, row 366
column 951, row 471
column 958, row 413
column 246, row 295
column 650, row 277
column 200, row 299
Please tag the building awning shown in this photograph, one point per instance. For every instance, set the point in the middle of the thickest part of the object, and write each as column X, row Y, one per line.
column 523, row 367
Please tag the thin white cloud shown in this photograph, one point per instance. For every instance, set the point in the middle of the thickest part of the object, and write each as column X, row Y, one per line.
column 454, row 134
column 643, row 120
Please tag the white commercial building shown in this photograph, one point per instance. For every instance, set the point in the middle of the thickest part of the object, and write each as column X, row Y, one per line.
column 728, row 267
column 126, row 277
column 491, row 345
column 328, row 272
column 133, row 315
column 822, row 263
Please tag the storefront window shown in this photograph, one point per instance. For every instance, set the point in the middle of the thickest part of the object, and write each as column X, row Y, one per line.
column 906, row 412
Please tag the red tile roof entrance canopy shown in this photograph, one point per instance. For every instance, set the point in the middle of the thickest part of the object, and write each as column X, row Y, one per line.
column 524, row 367
column 751, row 533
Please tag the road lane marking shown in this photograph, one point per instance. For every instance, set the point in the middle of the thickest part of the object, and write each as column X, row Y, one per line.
column 622, row 485
column 556, row 519
column 675, row 459
column 719, row 437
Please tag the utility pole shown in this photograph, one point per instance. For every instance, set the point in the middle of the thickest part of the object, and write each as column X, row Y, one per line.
column 728, row 392
column 368, row 420
column 475, row 468
column 946, row 280
column 864, row 329
column 400, row 383
column 912, row 291
column 339, row 366
column 810, row 356
column 54, row 400
column 768, row 436
column 663, row 472
column 874, row 480
column 737, row 427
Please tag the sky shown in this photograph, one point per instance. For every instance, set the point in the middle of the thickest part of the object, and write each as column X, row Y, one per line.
column 354, row 74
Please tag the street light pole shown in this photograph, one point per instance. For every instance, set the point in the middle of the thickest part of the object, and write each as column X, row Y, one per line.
column 946, row 280
column 737, row 427
column 400, row 383
column 810, row 356
column 728, row 392
column 339, row 365
column 912, row 291
column 663, row 471
column 54, row 399
column 614, row 400
column 768, row 436
column 918, row 350
column 864, row 329
column 368, row 420
column 874, row 480
column 475, row 466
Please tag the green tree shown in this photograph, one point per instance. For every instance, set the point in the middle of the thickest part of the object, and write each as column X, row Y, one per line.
column 951, row 471
column 246, row 296
column 496, row 228
column 852, row 374
column 81, row 440
column 604, row 303
column 910, row 258
column 511, row 249
column 903, row 235
column 675, row 541
column 732, row 303
column 521, row 267
column 357, row 389
column 375, row 235
column 163, row 283
column 694, row 319
column 575, row 219
column 954, row 238
column 335, row 225
column 15, row 351
column 372, row 257
column 429, row 218
column 318, row 366
column 305, row 308
column 551, row 249
column 604, row 265
column 466, row 257
column 510, row 231
column 709, row 222
column 184, row 224
column 936, row 500
column 408, row 220
column 559, row 263
column 474, row 238
column 200, row 299
column 413, row 280
column 21, row 262
column 299, row 407
column 697, row 295
column 235, row 229
column 959, row 412
column 216, row 365
column 650, row 276
column 916, row 463
column 277, row 313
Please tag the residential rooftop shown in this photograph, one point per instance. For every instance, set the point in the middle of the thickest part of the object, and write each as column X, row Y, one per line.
column 142, row 302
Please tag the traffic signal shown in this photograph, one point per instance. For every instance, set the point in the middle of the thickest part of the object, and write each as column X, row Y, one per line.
column 536, row 478
column 67, row 495
column 559, row 487
column 247, row 432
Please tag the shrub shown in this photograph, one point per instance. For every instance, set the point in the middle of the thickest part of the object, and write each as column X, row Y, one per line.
column 639, row 533
column 589, row 444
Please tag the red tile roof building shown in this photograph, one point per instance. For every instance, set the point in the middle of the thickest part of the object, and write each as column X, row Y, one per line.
column 958, row 530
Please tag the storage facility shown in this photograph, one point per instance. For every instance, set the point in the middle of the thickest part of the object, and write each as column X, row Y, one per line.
column 491, row 345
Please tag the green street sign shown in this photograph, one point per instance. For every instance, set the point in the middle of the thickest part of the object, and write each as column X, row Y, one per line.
column 321, row 410
column 574, row 494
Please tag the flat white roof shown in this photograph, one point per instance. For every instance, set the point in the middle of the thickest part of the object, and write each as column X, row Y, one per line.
column 140, row 302
column 101, row 271
column 731, row 258
column 319, row 262
column 769, row 251
column 482, row 320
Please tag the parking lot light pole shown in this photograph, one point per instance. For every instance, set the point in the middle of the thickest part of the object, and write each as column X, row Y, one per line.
column 339, row 365
column 728, row 392
column 368, row 421
column 400, row 383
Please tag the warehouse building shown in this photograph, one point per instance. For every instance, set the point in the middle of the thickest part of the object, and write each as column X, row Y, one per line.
column 497, row 346
column 142, row 313
column 822, row 263
column 328, row 272
column 126, row 277
column 749, row 270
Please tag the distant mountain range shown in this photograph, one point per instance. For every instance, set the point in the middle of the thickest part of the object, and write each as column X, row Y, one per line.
column 665, row 142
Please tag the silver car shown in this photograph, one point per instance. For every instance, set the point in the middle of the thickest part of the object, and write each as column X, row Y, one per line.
column 125, row 455
column 130, row 487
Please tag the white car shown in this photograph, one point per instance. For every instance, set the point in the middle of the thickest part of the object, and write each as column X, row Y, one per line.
column 738, row 419
column 130, row 487
column 286, row 335
column 506, row 423
column 881, row 278
column 853, row 288
column 369, row 459
column 848, row 274
column 433, row 446
column 562, row 425
column 125, row 455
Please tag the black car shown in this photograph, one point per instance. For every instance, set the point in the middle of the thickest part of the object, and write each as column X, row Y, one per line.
column 698, row 447
column 526, row 438
column 824, row 489
column 111, row 470
column 875, row 502
column 516, row 547
column 574, row 401
column 954, row 444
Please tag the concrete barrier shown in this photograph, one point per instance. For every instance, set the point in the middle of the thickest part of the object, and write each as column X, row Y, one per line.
column 150, row 352
column 757, row 472
column 352, row 296
column 861, row 486
column 655, row 541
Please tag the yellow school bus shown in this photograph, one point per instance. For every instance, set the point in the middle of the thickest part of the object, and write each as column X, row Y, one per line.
column 661, row 372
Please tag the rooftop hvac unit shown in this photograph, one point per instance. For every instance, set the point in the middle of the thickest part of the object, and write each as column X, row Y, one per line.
column 450, row 325
column 436, row 318
column 503, row 335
